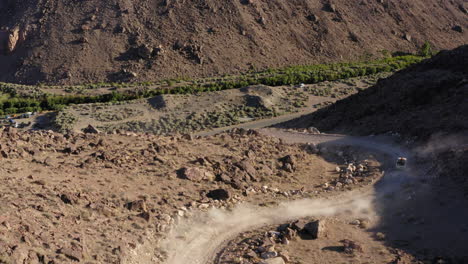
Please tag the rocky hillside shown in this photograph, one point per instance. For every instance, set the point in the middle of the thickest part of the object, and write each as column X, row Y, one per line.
column 65, row 41
column 427, row 103
column 92, row 198
column 423, row 100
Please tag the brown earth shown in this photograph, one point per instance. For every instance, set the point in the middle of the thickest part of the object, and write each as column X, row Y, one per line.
column 65, row 42
column 418, row 216
column 94, row 198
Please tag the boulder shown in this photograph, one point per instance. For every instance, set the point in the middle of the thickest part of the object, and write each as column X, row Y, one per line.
column 91, row 130
column 329, row 7
column 250, row 254
column 219, row 194
column 313, row 18
column 12, row 41
column 316, row 229
column 350, row 247
column 288, row 159
column 144, row 52
column 407, row 37
column 247, row 166
column 289, row 163
column 299, row 225
column 290, row 234
column 463, row 8
column 68, row 198
column 268, row 255
column 287, row 167
column 139, row 206
column 313, row 130
column 196, row 174
column 457, row 28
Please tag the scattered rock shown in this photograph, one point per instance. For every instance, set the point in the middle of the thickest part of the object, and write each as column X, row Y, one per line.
column 313, row 130
column 39, row 182
column 290, row 234
column 49, row 162
column 380, row 236
column 196, row 174
column 91, row 130
column 250, row 254
column 407, row 37
column 73, row 253
column 288, row 167
column 219, row 194
column 351, row 247
column 145, row 215
column 329, row 7
column 269, row 255
column 463, row 8
column 457, row 28
column 247, row 2
column 289, row 163
column 313, row 18
column 247, row 166
column 144, row 52
column 353, row 37
column 66, row 199
column 261, row 20
column 139, row 205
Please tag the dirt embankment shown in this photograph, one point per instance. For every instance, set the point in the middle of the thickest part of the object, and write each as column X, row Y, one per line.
column 90, row 41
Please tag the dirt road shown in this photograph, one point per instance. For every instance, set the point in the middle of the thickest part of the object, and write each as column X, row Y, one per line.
column 199, row 239
column 259, row 123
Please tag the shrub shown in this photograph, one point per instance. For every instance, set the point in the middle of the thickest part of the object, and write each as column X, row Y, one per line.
column 426, row 50
column 11, row 110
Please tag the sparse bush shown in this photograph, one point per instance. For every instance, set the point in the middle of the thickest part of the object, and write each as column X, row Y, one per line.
column 64, row 121
column 426, row 50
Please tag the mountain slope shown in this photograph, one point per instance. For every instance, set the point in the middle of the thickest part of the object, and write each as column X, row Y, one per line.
column 69, row 41
column 424, row 100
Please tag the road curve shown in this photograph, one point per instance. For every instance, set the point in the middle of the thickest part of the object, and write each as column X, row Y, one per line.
column 198, row 240
column 257, row 124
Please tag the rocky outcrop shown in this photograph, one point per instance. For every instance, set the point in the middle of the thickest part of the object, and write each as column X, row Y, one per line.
column 9, row 40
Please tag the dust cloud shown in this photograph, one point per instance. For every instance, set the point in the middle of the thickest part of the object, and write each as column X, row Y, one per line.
column 196, row 240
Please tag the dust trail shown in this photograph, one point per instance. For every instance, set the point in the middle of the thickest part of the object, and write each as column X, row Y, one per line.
column 197, row 240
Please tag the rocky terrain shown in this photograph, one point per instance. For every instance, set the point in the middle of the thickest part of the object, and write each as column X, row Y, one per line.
column 93, row 198
column 64, row 42
column 134, row 132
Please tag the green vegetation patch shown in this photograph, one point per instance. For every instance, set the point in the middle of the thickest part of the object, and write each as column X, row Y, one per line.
column 31, row 99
